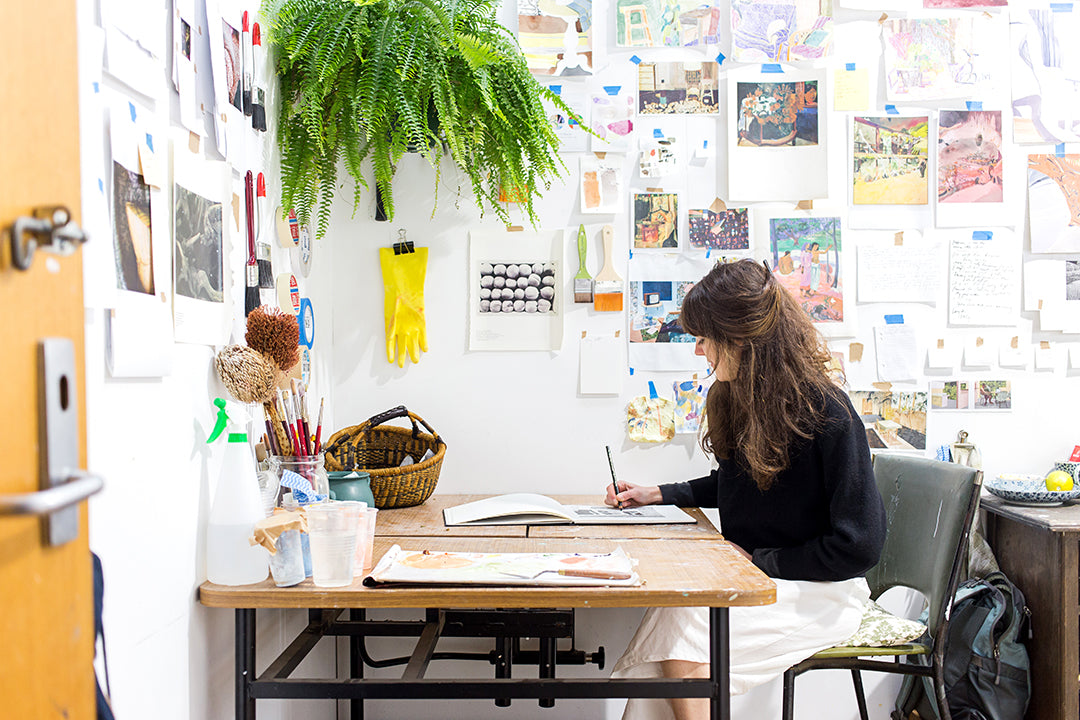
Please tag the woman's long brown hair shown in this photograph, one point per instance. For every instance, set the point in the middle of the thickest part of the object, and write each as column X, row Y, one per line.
column 778, row 360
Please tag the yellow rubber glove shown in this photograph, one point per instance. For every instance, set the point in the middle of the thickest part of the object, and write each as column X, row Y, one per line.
column 403, row 303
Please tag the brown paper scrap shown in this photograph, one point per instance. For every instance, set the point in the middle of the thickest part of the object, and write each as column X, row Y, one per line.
column 1014, row 343
column 600, row 155
column 898, row 238
column 1044, row 344
column 805, row 205
column 654, row 189
column 1040, row 303
column 193, row 142
column 717, row 206
column 514, row 228
column 236, row 211
column 150, row 166
column 583, row 334
column 941, row 343
column 978, row 342
column 617, row 333
column 855, row 351
column 883, row 386
column 883, row 18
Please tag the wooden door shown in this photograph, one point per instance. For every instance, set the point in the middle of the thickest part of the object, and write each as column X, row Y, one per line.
column 46, row 597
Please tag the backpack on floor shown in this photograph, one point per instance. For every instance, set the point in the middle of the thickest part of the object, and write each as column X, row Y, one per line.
column 987, row 675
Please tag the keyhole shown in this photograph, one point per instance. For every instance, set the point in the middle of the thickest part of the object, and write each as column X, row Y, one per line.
column 64, row 397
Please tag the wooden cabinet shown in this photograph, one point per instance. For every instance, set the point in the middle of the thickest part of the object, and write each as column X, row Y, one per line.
column 1038, row 548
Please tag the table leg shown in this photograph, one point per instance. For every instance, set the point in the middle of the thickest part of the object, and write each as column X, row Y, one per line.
column 720, row 665
column 245, row 662
column 356, row 666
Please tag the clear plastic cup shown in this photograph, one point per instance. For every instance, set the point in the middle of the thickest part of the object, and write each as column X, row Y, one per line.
column 287, row 564
column 332, row 529
column 365, row 541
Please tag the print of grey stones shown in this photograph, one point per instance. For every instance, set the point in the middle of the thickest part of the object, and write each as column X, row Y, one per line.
column 517, row 287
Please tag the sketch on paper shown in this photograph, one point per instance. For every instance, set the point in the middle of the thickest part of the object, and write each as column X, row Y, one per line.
column 601, row 184
column 133, row 248
column 726, row 230
column 572, row 138
column 950, row 394
column 890, row 160
column 1045, row 75
column 929, row 59
column 613, row 120
column 893, row 420
column 1054, row 203
column 197, row 252
column 658, row 157
column 777, row 113
column 678, row 88
column 993, row 395
column 656, row 220
column 510, row 288
column 233, row 66
column 806, row 261
column 666, row 23
column 780, row 30
column 654, row 311
column 689, row 405
column 969, row 156
column 650, row 419
column 555, row 36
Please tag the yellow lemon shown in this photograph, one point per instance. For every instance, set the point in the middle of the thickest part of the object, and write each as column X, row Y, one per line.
column 1059, row 481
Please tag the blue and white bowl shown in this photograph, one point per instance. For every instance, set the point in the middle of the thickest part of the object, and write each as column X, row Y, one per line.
column 1025, row 489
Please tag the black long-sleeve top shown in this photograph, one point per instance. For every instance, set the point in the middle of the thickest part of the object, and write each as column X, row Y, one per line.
column 822, row 519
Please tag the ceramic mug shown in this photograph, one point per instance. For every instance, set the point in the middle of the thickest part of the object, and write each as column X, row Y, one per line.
column 351, row 485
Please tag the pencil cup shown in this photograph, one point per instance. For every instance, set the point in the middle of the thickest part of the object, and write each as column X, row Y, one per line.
column 365, row 541
column 332, row 529
column 287, row 564
column 309, row 467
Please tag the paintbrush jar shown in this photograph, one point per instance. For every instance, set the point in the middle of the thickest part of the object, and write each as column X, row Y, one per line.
column 309, row 467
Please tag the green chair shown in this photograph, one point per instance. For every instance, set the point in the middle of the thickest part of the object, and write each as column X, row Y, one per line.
column 929, row 507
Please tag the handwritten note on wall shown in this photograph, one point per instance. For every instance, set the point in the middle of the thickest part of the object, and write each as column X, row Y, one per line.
column 984, row 278
column 891, row 273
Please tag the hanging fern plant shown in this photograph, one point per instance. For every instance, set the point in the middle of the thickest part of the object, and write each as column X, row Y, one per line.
column 378, row 78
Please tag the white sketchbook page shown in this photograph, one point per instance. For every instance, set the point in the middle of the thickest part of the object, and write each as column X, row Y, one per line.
column 1013, row 186
column 984, row 278
column 602, row 365
column 887, row 272
column 511, row 507
column 665, row 268
column 776, row 173
column 897, row 353
column 887, row 215
column 517, row 330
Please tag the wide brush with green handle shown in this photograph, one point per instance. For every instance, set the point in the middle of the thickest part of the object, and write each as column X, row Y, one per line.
column 582, row 281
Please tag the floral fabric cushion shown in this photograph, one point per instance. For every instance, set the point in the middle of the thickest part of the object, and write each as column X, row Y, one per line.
column 880, row 628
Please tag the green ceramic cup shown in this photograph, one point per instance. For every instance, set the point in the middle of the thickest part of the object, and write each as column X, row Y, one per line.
column 351, row 485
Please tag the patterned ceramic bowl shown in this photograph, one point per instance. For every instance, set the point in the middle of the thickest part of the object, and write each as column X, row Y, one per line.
column 1028, row 490
column 1070, row 467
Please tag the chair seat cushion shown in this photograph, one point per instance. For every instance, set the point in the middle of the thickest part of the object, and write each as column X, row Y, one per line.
column 880, row 628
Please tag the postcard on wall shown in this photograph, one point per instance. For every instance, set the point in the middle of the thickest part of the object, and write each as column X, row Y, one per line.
column 894, row 419
column 1045, row 94
column 727, row 229
column 992, row 395
column 897, row 269
column 939, row 58
column 556, row 37
column 602, row 184
column 658, row 157
column 1054, row 203
column 950, row 394
column 671, row 23
column 889, row 160
column 612, row 119
column 516, row 290
column 678, row 88
column 658, row 284
column 656, row 220
column 984, row 277
column 780, row 31
column 776, row 135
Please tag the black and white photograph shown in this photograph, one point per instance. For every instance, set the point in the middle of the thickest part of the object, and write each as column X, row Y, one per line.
column 197, row 252
column 1072, row 279
column 132, row 237
column 510, row 288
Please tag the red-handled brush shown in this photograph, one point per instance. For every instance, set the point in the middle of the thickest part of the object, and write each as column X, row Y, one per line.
column 251, row 268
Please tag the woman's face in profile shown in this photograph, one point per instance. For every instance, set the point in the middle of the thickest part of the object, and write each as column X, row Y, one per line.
column 718, row 357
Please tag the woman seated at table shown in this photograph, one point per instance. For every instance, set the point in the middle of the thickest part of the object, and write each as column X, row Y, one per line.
column 794, row 488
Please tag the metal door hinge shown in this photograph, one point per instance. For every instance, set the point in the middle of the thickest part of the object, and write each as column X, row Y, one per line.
column 51, row 229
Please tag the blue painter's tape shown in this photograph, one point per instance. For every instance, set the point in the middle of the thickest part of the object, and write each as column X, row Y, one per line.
column 894, row 319
column 982, row 235
column 720, row 58
column 635, row 59
column 557, row 89
column 631, row 371
column 1059, row 149
column 631, row 253
column 612, row 89
column 849, row 67
column 652, row 390
column 1061, row 7
column 97, row 87
column 657, row 133
column 101, row 186
column 708, row 253
column 771, row 68
column 150, row 141
column 705, row 145
column 131, row 107
column 891, row 109
column 974, row 104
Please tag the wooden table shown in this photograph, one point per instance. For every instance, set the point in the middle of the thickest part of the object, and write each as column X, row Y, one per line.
column 678, row 572
column 1038, row 548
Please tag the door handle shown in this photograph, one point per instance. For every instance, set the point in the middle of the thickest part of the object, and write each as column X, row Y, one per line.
column 51, row 229
column 78, row 487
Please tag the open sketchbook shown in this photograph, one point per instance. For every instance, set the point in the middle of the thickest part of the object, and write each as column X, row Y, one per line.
column 533, row 509
column 460, row 568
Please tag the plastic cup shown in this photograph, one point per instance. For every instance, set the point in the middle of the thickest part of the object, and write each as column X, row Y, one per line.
column 365, row 541
column 287, row 564
column 332, row 529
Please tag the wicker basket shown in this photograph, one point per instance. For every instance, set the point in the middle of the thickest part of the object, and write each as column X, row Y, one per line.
column 379, row 452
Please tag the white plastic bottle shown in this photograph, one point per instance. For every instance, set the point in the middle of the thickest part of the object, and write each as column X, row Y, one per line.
column 230, row 559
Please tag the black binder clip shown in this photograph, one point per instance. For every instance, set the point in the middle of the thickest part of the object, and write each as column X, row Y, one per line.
column 403, row 246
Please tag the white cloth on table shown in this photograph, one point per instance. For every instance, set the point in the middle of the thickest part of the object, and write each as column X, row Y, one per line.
column 764, row 640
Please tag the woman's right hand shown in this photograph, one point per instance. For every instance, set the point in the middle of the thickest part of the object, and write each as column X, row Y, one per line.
column 632, row 495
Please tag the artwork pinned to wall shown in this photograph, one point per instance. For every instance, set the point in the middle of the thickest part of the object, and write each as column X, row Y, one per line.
column 777, row 113
column 654, row 311
column 650, row 419
column 666, row 23
column 555, row 37
column 510, row 287
column 571, row 137
column 689, row 404
column 612, row 120
column 601, row 184
column 889, row 160
column 132, row 234
column 938, row 58
column 950, row 394
column 658, row 157
column 655, row 292
column 805, row 258
column 656, row 220
column 780, row 31
column 893, row 420
column 962, row 4
column 992, row 395
column 725, row 230
column 1045, row 94
column 969, row 157
column 1054, row 203
column 678, row 88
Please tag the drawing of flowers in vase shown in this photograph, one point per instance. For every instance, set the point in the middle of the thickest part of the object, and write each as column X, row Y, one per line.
column 773, row 114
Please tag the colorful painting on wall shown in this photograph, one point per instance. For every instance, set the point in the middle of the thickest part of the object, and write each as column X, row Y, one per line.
column 612, row 120
column 962, row 4
column 678, row 88
column 893, row 420
column 656, row 220
column 689, row 404
column 658, row 157
column 772, row 114
column 950, row 394
column 1045, row 93
column 969, row 157
column 666, row 23
column 889, row 160
column 1054, row 203
column 806, row 261
column 601, row 184
column 726, row 230
column 936, row 58
column 654, row 311
column 780, row 30
column 555, row 37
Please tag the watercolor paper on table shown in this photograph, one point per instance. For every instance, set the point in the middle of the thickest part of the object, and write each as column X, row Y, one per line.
column 555, row 37
column 612, row 120
column 725, row 230
column 950, row 394
column 650, row 419
column 521, row 272
column 678, row 88
column 666, row 23
column 602, row 367
column 1045, row 67
column 890, row 160
column 689, row 405
column 992, row 395
column 780, row 30
column 896, row 352
column 984, row 278
column 658, row 157
column 601, row 184
column 571, row 137
column 887, row 272
column 658, row 284
column 894, row 420
column 656, row 220
column 939, row 58
column 1054, row 203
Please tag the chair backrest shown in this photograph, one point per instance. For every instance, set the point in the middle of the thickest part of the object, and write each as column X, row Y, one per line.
column 929, row 508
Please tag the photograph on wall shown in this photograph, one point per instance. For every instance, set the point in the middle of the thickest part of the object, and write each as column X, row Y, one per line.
column 658, row 157
column 780, row 30
column 894, row 420
column 950, row 394
column 890, row 160
column 510, row 287
column 656, row 220
column 555, row 37
column 938, row 58
column 992, row 395
column 601, row 184
column 132, row 234
column 1054, row 203
column 612, row 119
column 969, row 157
column 725, row 230
column 773, row 114
column 678, row 88
column 805, row 257
column 656, row 288
column 666, row 23
column 654, row 311
column 1044, row 72
column 198, row 246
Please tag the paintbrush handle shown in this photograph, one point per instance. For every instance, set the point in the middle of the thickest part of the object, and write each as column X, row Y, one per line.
column 607, row 272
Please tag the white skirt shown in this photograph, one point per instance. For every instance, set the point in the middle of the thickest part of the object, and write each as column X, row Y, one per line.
column 764, row 641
